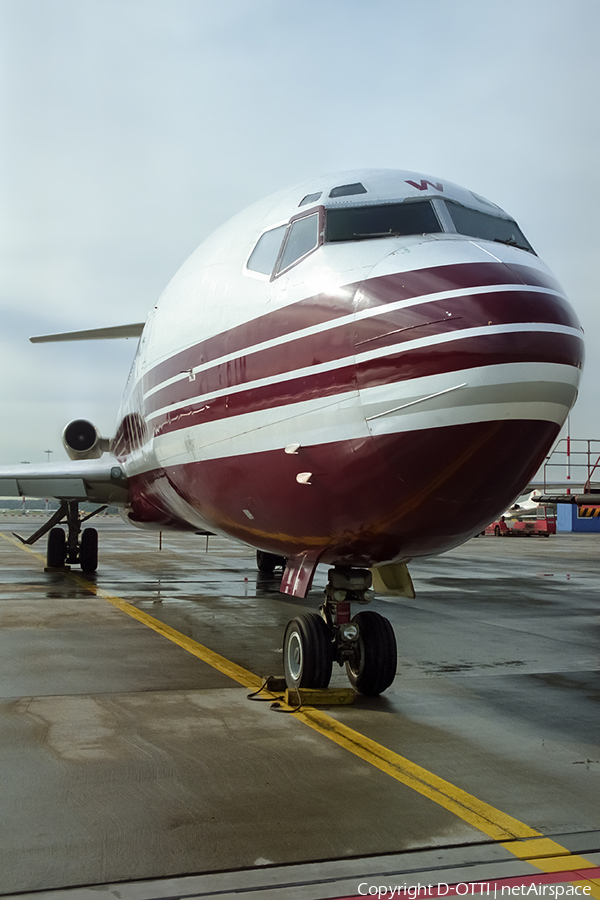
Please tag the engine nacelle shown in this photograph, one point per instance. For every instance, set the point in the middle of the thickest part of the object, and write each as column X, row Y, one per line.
column 82, row 440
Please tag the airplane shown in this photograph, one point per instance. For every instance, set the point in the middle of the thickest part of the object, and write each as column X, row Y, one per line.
column 359, row 370
column 524, row 508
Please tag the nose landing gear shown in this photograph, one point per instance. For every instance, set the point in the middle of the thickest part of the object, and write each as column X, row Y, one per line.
column 365, row 644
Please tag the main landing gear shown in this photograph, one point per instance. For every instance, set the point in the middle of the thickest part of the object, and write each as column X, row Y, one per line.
column 366, row 644
column 77, row 546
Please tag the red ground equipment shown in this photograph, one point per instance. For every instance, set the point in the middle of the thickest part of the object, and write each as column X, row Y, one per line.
column 541, row 521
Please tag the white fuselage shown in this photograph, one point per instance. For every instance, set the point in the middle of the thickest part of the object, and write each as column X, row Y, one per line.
column 354, row 403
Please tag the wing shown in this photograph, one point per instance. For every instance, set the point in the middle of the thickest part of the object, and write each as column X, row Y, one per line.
column 97, row 480
column 113, row 332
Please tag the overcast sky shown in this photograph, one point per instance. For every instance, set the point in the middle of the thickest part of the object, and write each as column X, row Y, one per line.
column 131, row 129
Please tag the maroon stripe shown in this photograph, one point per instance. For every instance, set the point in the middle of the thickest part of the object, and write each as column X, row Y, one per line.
column 475, row 352
column 325, row 384
column 311, row 311
column 416, row 283
column 321, row 308
column 398, row 326
column 480, row 351
column 369, row 501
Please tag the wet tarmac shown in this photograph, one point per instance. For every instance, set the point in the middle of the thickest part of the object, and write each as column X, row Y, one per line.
column 130, row 755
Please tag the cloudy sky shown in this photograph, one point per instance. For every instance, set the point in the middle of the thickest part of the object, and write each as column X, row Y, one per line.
column 130, row 129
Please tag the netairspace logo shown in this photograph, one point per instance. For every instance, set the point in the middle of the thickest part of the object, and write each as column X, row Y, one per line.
column 481, row 888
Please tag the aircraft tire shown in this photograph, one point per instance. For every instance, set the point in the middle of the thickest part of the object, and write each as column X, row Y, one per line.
column 307, row 652
column 57, row 549
column 374, row 668
column 88, row 550
column 268, row 562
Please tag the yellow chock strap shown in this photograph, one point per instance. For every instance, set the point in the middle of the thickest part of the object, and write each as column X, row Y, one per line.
column 319, row 696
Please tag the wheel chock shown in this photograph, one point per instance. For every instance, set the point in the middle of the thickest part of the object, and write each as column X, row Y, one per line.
column 319, row 696
column 274, row 685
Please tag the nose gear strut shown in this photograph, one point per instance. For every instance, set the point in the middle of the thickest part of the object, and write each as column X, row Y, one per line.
column 365, row 644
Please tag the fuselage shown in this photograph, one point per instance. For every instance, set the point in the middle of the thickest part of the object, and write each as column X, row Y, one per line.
column 367, row 367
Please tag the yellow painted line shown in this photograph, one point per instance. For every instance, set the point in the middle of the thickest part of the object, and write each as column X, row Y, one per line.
column 231, row 669
column 486, row 818
column 515, row 836
column 549, row 856
column 25, row 547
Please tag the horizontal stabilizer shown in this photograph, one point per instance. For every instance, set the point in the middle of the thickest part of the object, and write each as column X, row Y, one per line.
column 93, row 334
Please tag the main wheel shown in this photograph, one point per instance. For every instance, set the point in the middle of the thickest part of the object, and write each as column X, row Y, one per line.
column 307, row 652
column 268, row 562
column 88, row 550
column 57, row 549
column 373, row 667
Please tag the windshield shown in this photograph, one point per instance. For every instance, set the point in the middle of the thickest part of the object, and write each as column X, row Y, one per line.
column 487, row 227
column 302, row 238
column 388, row 220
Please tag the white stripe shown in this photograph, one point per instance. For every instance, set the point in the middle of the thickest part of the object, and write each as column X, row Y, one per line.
column 323, row 327
column 367, row 356
column 466, row 415
column 389, row 412
column 340, row 418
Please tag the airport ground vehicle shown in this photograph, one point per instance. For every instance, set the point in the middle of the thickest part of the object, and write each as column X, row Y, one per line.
column 543, row 523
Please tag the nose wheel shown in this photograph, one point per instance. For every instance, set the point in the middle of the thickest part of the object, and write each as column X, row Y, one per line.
column 372, row 667
column 365, row 644
column 307, row 652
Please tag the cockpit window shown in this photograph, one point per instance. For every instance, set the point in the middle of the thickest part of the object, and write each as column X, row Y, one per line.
column 487, row 227
column 310, row 198
column 389, row 220
column 302, row 238
column 263, row 257
column 346, row 190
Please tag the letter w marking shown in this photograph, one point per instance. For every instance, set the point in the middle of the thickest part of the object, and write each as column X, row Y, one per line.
column 425, row 184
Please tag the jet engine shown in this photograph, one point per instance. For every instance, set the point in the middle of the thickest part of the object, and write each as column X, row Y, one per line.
column 82, row 440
